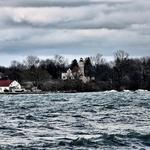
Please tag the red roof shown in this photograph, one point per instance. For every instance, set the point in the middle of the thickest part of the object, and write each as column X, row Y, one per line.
column 5, row 83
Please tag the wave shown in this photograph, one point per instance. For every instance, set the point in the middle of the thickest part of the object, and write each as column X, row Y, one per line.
column 30, row 117
column 126, row 140
column 144, row 138
column 141, row 90
column 110, row 91
column 115, row 140
column 79, row 142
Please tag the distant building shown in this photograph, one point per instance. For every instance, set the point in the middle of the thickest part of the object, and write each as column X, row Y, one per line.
column 67, row 75
column 81, row 67
column 9, row 86
column 77, row 73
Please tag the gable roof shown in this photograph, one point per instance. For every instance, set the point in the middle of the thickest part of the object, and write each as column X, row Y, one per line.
column 5, row 83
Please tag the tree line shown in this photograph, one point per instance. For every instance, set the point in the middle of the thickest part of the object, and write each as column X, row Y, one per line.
column 122, row 73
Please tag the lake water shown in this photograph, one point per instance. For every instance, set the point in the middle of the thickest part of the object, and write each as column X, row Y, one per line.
column 79, row 121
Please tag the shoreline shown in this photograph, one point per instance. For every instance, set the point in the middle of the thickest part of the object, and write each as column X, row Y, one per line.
column 46, row 92
column 17, row 93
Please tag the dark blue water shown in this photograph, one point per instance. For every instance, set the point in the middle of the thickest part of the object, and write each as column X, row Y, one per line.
column 80, row 121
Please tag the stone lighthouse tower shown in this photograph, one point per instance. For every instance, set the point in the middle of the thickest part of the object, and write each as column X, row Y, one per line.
column 81, row 66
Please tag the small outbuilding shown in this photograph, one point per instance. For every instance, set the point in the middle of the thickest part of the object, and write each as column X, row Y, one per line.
column 9, row 86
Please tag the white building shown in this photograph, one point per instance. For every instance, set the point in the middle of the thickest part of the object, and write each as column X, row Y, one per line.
column 78, row 74
column 67, row 75
column 9, row 86
column 81, row 67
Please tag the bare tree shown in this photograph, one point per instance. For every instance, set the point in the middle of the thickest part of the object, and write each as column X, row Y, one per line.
column 121, row 55
column 17, row 65
column 60, row 60
column 32, row 61
column 98, row 59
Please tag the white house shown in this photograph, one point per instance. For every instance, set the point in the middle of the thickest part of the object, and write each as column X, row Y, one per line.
column 67, row 75
column 9, row 85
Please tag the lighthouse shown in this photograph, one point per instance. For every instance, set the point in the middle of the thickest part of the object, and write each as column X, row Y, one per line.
column 81, row 66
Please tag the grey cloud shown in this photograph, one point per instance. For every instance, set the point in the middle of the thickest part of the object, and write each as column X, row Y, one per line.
column 47, row 3
column 74, row 27
column 67, row 18
column 76, row 42
column 59, row 3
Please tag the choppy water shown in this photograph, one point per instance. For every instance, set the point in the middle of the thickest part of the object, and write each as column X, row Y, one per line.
column 82, row 121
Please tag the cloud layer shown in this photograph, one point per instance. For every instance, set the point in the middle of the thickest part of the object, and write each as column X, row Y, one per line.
column 47, row 27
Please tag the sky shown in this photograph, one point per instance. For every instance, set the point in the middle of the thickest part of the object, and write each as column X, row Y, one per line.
column 73, row 28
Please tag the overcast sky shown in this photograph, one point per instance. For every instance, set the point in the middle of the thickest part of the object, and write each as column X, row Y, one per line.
column 73, row 27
